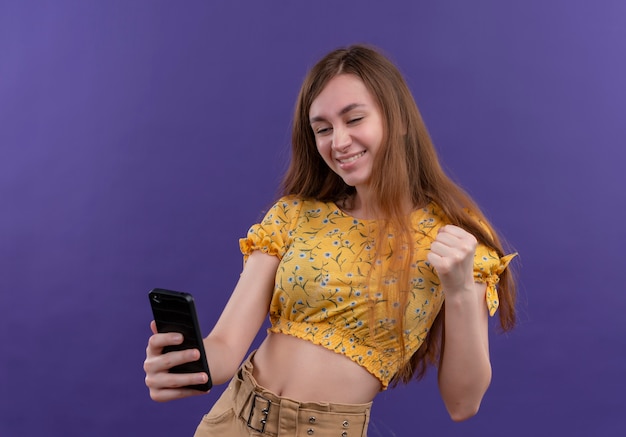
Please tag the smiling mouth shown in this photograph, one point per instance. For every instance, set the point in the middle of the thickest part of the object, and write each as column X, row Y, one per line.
column 351, row 159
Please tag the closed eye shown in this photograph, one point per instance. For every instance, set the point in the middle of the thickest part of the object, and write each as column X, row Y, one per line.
column 322, row 130
column 355, row 120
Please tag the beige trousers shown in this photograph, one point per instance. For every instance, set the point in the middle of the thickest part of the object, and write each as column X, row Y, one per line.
column 246, row 409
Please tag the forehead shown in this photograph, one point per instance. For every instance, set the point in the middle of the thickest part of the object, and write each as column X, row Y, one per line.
column 340, row 92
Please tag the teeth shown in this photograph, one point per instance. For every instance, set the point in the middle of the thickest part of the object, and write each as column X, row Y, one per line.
column 354, row 158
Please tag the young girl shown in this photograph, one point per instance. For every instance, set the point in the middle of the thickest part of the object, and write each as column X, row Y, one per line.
column 354, row 264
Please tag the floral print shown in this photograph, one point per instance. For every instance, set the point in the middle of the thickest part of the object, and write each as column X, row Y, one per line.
column 322, row 290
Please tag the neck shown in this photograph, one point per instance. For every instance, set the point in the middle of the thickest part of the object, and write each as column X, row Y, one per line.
column 363, row 206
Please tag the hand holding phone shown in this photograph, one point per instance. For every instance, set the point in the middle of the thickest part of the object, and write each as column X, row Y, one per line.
column 175, row 311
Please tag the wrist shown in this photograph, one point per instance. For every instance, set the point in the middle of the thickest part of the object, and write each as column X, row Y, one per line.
column 460, row 293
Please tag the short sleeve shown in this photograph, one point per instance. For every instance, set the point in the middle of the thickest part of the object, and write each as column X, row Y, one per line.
column 488, row 267
column 272, row 235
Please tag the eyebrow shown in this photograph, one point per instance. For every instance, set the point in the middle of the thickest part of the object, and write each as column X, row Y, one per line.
column 345, row 110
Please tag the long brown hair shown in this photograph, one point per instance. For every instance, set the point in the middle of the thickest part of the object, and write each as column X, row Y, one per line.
column 406, row 167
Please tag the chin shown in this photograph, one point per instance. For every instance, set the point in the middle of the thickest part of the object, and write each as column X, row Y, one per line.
column 356, row 183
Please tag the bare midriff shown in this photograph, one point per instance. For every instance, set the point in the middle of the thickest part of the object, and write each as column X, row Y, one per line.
column 300, row 370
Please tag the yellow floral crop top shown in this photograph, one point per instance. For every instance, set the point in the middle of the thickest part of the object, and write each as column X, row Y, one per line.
column 321, row 289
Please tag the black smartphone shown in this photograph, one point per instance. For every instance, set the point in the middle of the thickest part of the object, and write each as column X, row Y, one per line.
column 175, row 311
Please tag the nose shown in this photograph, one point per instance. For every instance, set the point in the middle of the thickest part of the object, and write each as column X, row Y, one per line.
column 341, row 139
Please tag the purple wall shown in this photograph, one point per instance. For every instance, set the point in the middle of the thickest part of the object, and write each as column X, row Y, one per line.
column 140, row 139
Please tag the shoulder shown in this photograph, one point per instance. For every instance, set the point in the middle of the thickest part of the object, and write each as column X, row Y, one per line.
column 428, row 219
column 285, row 205
column 290, row 204
column 435, row 215
column 289, row 210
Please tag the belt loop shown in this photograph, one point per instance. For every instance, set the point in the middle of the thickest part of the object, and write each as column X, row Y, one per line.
column 288, row 418
column 242, row 394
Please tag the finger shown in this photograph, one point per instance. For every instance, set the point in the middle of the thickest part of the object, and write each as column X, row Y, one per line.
column 172, row 394
column 462, row 235
column 157, row 342
column 153, row 327
column 439, row 262
column 169, row 381
column 458, row 239
column 443, row 250
column 454, row 230
column 448, row 239
column 165, row 339
column 168, row 386
column 433, row 258
column 455, row 236
column 156, row 363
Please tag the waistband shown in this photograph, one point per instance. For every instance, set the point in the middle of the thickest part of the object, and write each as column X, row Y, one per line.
column 268, row 413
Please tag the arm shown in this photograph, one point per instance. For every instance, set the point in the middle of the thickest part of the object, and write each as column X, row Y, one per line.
column 465, row 368
column 242, row 317
column 227, row 343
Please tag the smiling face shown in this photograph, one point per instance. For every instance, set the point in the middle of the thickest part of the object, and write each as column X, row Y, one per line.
column 348, row 129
